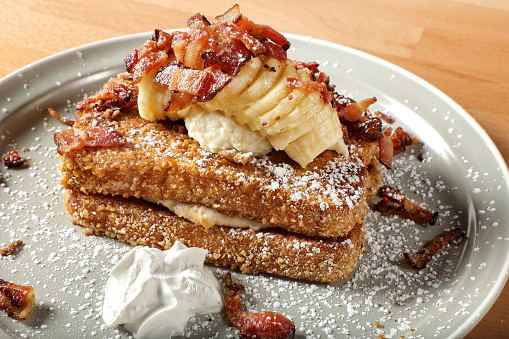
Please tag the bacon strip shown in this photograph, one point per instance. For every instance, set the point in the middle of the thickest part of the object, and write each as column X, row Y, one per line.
column 353, row 111
column 437, row 245
column 396, row 203
column 17, row 300
column 76, row 139
column 203, row 84
column 152, row 54
column 113, row 95
column 386, row 149
column 385, row 117
column 233, row 56
column 401, row 139
column 392, row 144
column 262, row 325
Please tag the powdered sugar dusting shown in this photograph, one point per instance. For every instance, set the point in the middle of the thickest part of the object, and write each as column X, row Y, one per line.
column 383, row 296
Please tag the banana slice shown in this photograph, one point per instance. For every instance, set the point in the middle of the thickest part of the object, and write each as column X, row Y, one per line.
column 310, row 145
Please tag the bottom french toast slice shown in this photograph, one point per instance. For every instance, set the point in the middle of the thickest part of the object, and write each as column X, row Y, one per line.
column 269, row 250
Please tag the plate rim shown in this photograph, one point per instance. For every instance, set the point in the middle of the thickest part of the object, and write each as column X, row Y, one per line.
column 473, row 318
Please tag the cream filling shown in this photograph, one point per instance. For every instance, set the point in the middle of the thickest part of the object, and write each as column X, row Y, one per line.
column 215, row 132
column 205, row 216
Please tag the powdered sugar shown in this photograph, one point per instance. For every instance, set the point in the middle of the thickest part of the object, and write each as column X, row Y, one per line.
column 68, row 270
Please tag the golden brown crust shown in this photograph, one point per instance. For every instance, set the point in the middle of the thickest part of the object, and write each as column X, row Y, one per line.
column 159, row 161
column 271, row 250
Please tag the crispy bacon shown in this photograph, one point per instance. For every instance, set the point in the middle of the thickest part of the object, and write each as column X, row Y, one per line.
column 234, row 32
column 394, row 202
column 437, row 245
column 233, row 56
column 17, row 300
column 225, row 44
column 229, row 16
column 262, row 325
column 274, row 50
column 11, row 248
column 203, row 84
column 392, row 144
column 353, row 111
column 386, row 149
column 76, row 139
column 263, row 31
column 152, row 54
column 115, row 94
column 401, row 139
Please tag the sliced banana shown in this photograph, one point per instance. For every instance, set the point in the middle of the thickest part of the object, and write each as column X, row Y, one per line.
column 296, row 121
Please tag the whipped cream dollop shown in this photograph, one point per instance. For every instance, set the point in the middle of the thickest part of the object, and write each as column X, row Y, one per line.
column 154, row 293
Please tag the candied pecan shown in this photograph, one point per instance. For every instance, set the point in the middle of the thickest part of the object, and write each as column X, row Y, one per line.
column 12, row 159
column 17, row 300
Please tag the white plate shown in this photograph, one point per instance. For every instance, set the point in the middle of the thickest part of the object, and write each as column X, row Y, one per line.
column 462, row 176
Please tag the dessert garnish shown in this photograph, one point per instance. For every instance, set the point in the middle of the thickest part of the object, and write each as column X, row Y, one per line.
column 17, row 300
column 262, row 325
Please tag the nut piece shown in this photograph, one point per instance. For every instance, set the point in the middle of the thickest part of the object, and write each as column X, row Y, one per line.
column 17, row 300
column 12, row 159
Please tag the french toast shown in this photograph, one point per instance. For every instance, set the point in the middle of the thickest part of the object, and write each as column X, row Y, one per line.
column 123, row 156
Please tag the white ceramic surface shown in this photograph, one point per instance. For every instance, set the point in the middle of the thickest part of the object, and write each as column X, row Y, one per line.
column 462, row 176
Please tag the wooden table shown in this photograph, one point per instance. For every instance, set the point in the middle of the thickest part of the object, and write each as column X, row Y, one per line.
column 460, row 46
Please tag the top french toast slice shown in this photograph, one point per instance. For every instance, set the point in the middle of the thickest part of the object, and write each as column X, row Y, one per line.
column 158, row 160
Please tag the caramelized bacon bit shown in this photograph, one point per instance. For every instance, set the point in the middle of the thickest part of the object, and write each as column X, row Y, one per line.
column 12, row 159
column 57, row 115
column 75, row 139
column 113, row 95
column 203, row 84
column 421, row 258
column 18, row 301
column 274, row 50
column 263, row 31
column 353, row 111
column 11, row 248
column 386, row 149
column 392, row 144
column 263, row 325
column 234, row 32
column 233, row 56
column 401, row 139
column 396, row 203
column 152, row 54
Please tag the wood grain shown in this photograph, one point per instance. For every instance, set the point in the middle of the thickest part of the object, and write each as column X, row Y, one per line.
column 460, row 46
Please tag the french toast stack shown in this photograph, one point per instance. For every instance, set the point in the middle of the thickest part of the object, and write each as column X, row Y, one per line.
column 119, row 166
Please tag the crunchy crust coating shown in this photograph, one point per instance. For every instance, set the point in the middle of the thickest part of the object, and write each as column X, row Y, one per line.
column 271, row 250
column 159, row 161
